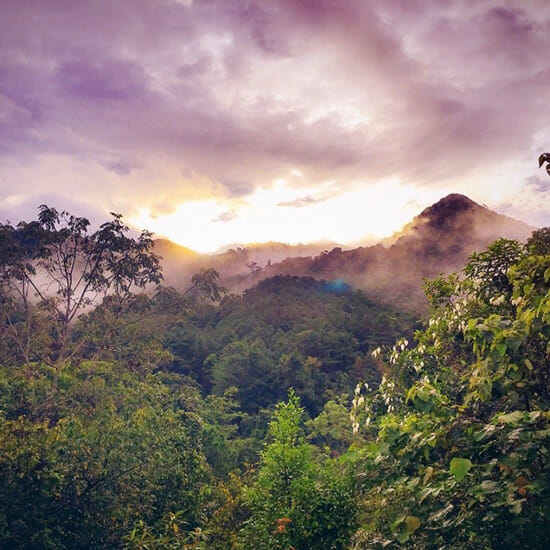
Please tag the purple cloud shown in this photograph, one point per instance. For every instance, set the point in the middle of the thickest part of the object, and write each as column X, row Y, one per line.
column 110, row 79
column 241, row 92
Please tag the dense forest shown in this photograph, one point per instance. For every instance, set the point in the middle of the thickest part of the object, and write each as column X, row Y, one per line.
column 300, row 414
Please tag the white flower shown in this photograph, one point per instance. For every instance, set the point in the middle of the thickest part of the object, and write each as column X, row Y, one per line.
column 497, row 300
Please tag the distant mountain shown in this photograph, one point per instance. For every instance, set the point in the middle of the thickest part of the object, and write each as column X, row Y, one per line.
column 170, row 250
column 457, row 215
column 438, row 240
column 236, row 263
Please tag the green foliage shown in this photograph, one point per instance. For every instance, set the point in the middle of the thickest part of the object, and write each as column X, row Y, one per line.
column 223, row 447
column 539, row 242
column 229, row 512
column 105, row 438
column 330, row 429
column 170, row 534
column 81, row 462
column 488, row 271
column 460, row 467
column 460, row 424
column 285, row 332
column 296, row 501
column 56, row 266
column 158, row 421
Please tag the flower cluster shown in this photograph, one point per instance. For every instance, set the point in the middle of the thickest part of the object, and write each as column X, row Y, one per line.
column 367, row 404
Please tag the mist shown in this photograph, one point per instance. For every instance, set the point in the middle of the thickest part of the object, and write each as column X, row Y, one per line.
column 437, row 241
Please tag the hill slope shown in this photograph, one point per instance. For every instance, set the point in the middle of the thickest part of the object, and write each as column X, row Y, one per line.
column 438, row 240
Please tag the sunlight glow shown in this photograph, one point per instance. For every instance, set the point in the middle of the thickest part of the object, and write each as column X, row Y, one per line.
column 283, row 213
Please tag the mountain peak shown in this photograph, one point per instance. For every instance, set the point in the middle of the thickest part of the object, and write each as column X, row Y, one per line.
column 438, row 240
column 449, row 207
column 462, row 220
column 455, row 199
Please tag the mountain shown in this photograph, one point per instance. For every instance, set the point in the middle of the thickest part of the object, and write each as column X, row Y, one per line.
column 438, row 240
column 457, row 215
column 171, row 251
column 236, row 263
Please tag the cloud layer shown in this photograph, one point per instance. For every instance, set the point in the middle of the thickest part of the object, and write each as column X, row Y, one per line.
column 148, row 105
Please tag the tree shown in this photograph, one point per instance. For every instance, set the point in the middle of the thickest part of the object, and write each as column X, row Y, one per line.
column 135, row 331
column 55, row 265
column 297, row 502
column 253, row 267
column 545, row 159
column 460, row 423
column 330, row 429
column 539, row 242
column 83, row 463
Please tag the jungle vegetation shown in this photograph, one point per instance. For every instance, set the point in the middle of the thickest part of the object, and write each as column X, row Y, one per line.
column 301, row 414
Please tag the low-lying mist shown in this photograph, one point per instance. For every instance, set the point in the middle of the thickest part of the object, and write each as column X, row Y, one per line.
column 438, row 240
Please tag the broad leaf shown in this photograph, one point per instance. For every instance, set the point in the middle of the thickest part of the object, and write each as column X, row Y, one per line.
column 460, row 467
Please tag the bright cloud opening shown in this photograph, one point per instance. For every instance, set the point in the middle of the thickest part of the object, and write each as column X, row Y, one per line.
column 358, row 215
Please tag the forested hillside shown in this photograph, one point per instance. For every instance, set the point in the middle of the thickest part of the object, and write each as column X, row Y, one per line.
column 439, row 240
column 299, row 414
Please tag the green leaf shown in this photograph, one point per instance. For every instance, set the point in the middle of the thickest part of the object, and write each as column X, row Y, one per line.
column 395, row 525
column 412, row 523
column 402, row 537
column 501, row 348
column 460, row 467
column 511, row 418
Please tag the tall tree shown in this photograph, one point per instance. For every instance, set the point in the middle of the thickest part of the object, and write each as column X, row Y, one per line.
column 297, row 501
column 57, row 266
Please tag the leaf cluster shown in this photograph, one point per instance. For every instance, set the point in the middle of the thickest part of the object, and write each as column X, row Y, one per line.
column 460, row 427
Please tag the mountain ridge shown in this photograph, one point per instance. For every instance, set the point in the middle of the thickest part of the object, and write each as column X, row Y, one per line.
column 438, row 240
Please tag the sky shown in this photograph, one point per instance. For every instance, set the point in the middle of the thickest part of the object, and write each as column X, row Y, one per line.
column 233, row 121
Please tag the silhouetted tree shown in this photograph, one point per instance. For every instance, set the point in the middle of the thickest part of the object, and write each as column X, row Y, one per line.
column 56, row 265
column 545, row 159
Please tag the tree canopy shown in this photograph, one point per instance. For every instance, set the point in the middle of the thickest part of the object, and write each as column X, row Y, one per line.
column 139, row 416
column 460, row 422
column 56, row 267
